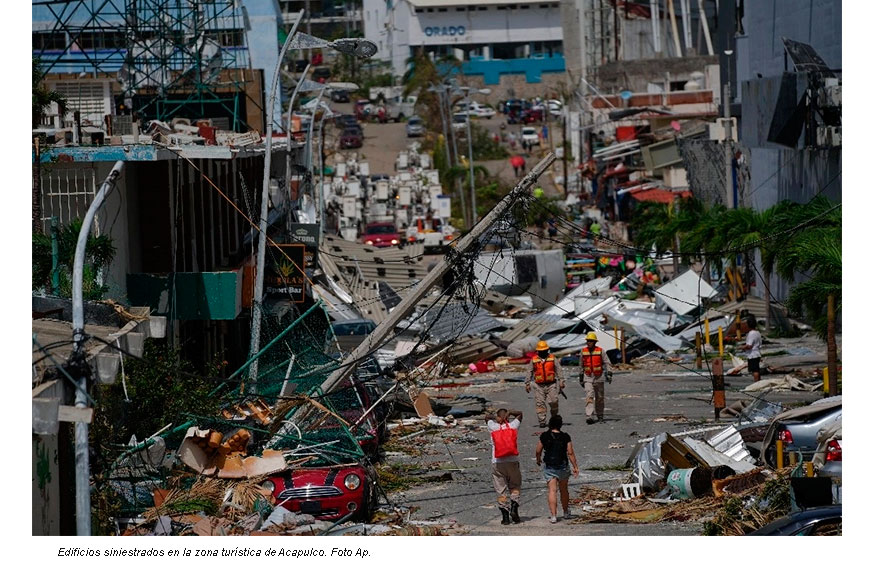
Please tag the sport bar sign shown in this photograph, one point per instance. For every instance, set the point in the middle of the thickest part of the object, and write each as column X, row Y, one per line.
column 285, row 271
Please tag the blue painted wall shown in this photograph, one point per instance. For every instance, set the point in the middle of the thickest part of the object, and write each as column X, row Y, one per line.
column 532, row 67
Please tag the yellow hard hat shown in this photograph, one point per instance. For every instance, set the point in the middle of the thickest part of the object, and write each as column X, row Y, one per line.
column 542, row 345
column 592, row 336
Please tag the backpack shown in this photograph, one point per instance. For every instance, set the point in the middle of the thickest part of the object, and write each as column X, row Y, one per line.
column 504, row 441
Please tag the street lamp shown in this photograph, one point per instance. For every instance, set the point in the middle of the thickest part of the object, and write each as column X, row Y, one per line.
column 77, row 358
column 353, row 46
column 471, row 91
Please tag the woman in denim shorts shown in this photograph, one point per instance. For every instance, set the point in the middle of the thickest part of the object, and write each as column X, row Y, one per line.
column 557, row 450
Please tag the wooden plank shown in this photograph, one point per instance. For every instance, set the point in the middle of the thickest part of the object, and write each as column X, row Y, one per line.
column 69, row 414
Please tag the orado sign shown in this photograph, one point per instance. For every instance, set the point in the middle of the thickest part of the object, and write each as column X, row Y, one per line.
column 444, row 30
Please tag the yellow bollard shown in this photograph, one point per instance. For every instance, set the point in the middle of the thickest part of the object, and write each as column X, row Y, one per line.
column 779, row 461
column 721, row 344
column 825, row 379
column 808, row 466
column 707, row 331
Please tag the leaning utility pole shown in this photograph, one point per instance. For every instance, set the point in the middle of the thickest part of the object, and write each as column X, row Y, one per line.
column 374, row 340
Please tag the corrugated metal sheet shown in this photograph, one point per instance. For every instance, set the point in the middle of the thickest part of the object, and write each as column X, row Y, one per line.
column 459, row 319
column 469, row 350
column 685, row 292
column 535, row 325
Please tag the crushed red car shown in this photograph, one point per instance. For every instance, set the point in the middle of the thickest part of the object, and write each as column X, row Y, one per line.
column 329, row 492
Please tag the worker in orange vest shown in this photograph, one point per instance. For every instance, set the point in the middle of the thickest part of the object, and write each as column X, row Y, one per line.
column 596, row 369
column 545, row 370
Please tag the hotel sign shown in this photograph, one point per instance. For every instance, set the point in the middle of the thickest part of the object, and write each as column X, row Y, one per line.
column 444, row 31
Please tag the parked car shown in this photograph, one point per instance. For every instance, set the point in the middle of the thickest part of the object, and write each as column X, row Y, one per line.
column 351, row 138
column 328, row 492
column 530, row 135
column 414, row 127
column 532, row 116
column 343, row 121
column 351, row 333
column 339, row 96
column 381, row 235
column 321, row 74
column 362, row 108
column 435, row 234
column 798, row 429
column 460, row 122
column 828, row 459
column 300, row 65
column 817, row 521
column 554, row 107
column 478, row 110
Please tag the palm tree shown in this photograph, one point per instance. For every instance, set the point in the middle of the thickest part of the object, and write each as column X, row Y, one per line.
column 815, row 251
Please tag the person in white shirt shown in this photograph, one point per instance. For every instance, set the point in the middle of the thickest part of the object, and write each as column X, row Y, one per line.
column 753, row 345
column 506, row 476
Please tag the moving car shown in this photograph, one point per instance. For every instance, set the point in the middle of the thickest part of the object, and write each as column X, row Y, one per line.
column 530, row 135
column 351, row 138
column 817, row 521
column 381, row 235
column 414, row 127
column 798, row 429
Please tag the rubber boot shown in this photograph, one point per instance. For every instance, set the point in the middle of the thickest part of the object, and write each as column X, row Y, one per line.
column 515, row 512
column 505, row 516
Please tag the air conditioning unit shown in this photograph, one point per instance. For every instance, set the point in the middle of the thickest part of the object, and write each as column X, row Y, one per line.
column 717, row 130
column 829, row 136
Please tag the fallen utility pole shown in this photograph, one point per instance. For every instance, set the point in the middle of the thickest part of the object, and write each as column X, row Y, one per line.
column 403, row 309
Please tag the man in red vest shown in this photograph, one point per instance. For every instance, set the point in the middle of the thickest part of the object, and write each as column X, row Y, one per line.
column 545, row 370
column 595, row 369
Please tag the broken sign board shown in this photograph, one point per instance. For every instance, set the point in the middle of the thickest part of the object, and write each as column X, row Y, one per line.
column 684, row 293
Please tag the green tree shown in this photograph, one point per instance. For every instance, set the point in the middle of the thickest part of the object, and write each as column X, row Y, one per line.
column 99, row 253
column 813, row 253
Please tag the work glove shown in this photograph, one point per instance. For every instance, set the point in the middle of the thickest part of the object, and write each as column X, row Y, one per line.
column 609, row 376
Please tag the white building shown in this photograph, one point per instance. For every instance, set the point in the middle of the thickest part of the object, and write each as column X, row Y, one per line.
column 491, row 38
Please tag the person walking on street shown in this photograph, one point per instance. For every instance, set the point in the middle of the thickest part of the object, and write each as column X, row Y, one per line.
column 753, row 345
column 506, row 476
column 546, row 371
column 595, row 369
column 558, row 450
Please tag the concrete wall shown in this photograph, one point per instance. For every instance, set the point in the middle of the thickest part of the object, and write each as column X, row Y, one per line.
column 516, row 86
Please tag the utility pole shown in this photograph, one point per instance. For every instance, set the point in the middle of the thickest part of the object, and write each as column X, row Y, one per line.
column 730, row 196
column 381, row 333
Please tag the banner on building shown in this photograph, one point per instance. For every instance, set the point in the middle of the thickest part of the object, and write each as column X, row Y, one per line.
column 308, row 235
column 285, row 274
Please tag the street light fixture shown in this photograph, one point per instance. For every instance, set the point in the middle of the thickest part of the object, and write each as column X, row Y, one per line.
column 353, row 46
column 358, row 47
column 467, row 91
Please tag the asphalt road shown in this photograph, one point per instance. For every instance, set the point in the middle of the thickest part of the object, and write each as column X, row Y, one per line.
column 639, row 404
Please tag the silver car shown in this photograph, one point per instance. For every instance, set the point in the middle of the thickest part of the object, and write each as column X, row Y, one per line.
column 799, row 428
column 414, row 127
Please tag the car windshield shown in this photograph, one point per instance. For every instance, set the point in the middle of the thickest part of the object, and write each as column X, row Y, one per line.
column 413, row 122
column 353, row 328
column 529, row 131
column 381, row 229
column 460, row 118
column 351, row 132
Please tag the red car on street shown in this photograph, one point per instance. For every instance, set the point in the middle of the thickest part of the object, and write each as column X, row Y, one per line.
column 532, row 116
column 381, row 235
